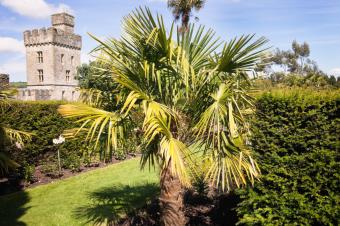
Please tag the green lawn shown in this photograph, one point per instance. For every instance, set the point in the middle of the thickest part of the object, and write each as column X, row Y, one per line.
column 93, row 197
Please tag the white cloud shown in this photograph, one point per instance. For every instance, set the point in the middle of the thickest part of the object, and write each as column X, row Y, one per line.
column 35, row 8
column 335, row 71
column 86, row 58
column 16, row 68
column 8, row 44
column 13, row 67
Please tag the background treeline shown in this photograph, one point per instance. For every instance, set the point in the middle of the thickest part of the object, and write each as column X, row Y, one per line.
column 293, row 67
column 296, row 142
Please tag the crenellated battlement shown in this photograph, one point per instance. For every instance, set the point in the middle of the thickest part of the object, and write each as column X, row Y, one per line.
column 52, row 58
column 51, row 36
column 60, row 34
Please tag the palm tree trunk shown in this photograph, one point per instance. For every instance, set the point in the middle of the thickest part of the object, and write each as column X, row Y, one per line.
column 171, row 200
column 185, row 21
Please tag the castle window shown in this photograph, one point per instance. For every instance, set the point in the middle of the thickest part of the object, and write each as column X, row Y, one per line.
column 72, row 58
column 67, row 76
column 63, row 95
column 41, row 75
column 40, row 57
column 62, row 58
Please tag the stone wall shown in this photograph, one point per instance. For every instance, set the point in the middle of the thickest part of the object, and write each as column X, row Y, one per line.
column 54, row 69
column 33, row 65
column 63, row 21
column 48, row 93
column 52, row 36
column 70, row 62
column 4, row 81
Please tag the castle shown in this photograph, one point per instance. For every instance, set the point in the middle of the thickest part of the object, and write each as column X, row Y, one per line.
column 52, row 58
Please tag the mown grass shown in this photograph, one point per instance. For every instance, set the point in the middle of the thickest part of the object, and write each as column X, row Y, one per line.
column 97, row 196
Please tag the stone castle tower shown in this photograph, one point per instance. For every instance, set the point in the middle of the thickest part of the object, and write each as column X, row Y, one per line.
column 52, row 58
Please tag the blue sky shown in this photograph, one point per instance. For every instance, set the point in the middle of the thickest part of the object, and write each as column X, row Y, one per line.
column 281, row 21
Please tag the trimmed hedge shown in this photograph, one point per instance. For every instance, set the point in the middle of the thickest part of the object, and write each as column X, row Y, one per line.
column 43, row 120
column 296, row 143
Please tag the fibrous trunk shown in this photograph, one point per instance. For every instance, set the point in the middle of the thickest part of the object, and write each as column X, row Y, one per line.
column 171, row 200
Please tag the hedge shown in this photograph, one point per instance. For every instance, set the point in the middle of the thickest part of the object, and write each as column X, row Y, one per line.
column 45, row 123
column 296, row 143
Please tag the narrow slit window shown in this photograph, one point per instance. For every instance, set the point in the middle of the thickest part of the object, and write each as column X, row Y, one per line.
column 40, row 57
column 67, row 76
column 72, row 58
column 62, row 58
column 41, row 75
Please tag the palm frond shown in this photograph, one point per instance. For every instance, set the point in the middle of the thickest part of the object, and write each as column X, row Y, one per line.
column 97, row 122
column 171, row 150
column 175, row 153
column 232, row 170
column 4, row 94
column 221, row 130
column 241, row 54
column 6, row 164
column 14, row 136
column 164, row 80
column 17, row 136
column 91, row 97
column 198, row 45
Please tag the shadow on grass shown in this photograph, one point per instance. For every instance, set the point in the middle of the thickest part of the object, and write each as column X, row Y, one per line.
column 12, row 208
column 113, row 203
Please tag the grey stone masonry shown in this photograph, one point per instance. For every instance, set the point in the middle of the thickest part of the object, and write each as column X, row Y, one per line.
column 4, row 81
column 52, row 58
column 63, row 22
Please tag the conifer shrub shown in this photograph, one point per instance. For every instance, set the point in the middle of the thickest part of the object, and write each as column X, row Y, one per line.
column 296, row 142
column 45, row 123
column 42, row 119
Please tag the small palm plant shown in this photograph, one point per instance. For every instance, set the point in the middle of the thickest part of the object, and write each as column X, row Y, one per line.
column 9, row 136
column 193, row 93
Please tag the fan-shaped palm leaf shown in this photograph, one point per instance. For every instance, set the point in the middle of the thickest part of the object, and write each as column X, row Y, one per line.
column 188, row 93
column 17, row 136
column 240, row 54
column 97, row 122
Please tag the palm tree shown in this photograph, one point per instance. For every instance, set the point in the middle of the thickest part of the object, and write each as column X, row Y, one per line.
column 181, row 9
column 194, row 101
